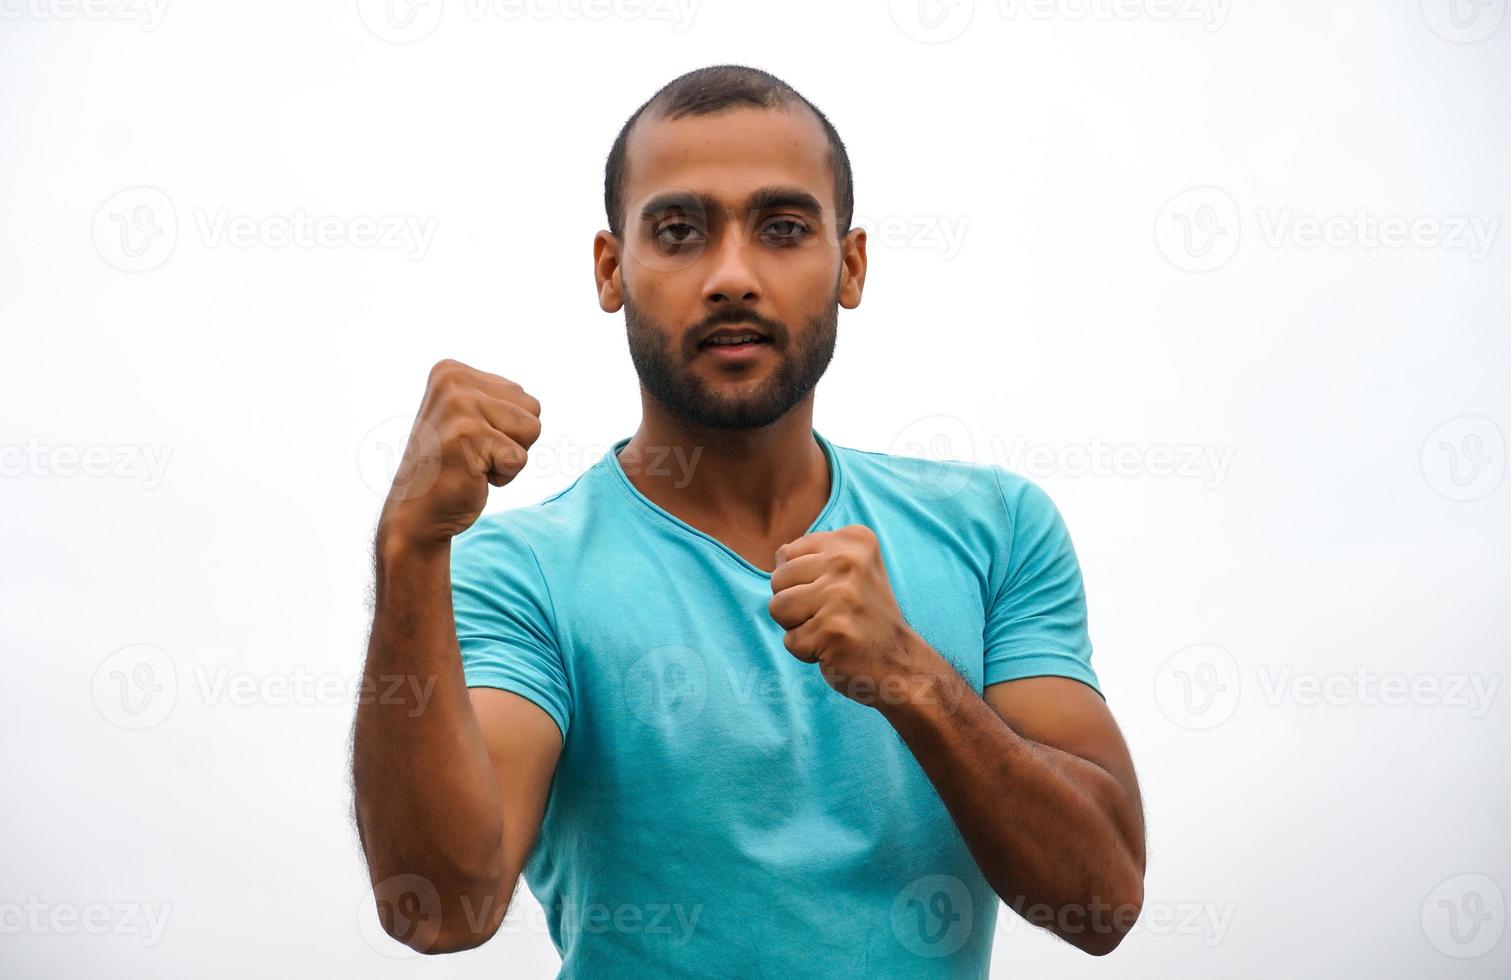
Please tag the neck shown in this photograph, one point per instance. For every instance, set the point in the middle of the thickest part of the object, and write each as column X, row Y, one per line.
column 757, row 478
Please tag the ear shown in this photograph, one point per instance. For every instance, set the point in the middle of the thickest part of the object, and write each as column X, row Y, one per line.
column 852, row 271
column 607, row 271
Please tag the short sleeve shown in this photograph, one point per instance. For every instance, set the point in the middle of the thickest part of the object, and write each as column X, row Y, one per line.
column 505, row 621
column 1036, row 624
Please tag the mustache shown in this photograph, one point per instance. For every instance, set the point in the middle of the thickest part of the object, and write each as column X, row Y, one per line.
column 773, row 329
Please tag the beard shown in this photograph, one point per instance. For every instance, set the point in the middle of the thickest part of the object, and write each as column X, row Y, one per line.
column 664, row 373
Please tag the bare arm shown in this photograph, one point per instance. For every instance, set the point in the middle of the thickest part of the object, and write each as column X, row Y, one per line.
column 1039, row 781
column 450, row 787
column 1035, row 775
column 450, row 783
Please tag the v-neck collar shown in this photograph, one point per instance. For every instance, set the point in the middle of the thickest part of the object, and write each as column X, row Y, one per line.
column 836, row 480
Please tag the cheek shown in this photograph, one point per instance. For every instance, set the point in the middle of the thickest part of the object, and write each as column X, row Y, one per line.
column 803, row 286
column 660, row 291
column 812, row 276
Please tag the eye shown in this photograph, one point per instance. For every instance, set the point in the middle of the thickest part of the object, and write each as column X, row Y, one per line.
column 678, row 234
column 785, row 231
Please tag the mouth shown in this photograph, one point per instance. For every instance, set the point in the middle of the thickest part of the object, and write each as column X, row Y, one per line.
column 734, row 344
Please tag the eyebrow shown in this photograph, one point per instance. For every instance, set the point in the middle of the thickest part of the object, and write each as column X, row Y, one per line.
column 766, row 198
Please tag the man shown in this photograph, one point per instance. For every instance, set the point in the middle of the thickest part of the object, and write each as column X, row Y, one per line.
column 738, row 701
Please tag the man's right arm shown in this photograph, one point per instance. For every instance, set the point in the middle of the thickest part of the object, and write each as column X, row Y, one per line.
column 450, row 782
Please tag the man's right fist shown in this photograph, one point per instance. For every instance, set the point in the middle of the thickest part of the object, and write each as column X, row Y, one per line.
column 473, row 429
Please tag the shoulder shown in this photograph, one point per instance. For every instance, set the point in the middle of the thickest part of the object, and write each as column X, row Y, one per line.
column 917, row 478
column 1025, row 501
column 999, row 518
column 953, row 487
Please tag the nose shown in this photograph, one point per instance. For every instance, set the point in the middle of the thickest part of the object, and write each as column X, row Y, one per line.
column 731, row 279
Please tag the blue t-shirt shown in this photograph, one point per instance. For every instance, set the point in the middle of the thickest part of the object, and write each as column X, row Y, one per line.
column 718, row 809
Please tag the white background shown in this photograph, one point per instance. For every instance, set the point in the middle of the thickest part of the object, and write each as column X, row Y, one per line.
column 1042, row 277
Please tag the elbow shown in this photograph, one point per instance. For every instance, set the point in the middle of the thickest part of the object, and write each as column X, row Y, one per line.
column 1101, row 946
column 425, row 927
column 1108, row 923
column 1121, row 885
column 1096, row 923
column 413, row 911
column 450, row 942
column 1098, row 942
column 1095, row 926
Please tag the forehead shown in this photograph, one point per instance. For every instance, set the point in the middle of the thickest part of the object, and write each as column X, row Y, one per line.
column 728, row 155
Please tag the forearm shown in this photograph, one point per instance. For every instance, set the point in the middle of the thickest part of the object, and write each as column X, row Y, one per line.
column 1054, row 834
column 426, row 798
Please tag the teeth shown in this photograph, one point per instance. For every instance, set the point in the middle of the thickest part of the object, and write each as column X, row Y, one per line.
column 744, row 339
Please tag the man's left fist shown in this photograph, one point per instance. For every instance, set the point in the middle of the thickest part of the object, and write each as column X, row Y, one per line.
column 832, row 596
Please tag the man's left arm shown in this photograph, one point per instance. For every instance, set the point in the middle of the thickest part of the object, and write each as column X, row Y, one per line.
column 1038, row 779
column 1036, row 775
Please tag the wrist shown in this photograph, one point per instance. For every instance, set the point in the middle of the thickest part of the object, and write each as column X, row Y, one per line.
column 918, row 683
column 397, row 542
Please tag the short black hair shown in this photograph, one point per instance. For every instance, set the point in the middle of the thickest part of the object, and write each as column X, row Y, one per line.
column 715, row 89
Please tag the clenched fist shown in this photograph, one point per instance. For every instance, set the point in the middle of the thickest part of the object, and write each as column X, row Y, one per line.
column 473, row 429
column 832, row 596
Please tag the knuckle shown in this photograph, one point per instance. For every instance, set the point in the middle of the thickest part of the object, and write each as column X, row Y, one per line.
column 530, row 426
column 453, row 401
column 444, row 370
column 514, row 422
column 459, row 430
